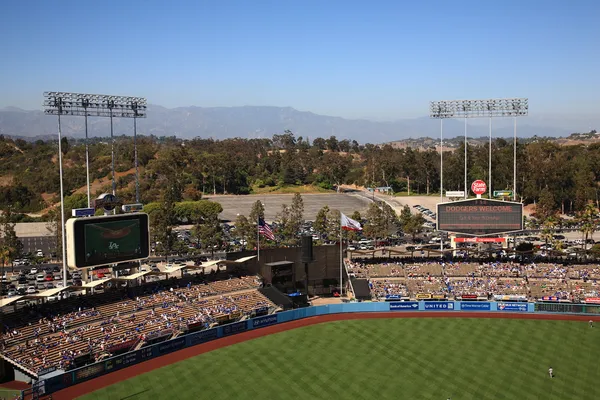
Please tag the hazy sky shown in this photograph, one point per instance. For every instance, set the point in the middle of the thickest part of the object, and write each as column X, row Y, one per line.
column 375, row 59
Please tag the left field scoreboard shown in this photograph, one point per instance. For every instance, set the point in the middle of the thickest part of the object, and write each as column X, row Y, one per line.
column 97, row 241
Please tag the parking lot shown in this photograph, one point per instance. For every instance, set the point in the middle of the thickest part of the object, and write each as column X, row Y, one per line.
column 234, row 205
column 45, row 243
column 35, row 279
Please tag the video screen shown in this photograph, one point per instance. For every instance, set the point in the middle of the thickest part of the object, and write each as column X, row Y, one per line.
column 112, row 241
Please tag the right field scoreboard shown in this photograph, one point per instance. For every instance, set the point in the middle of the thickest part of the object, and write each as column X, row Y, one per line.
column 480, row 217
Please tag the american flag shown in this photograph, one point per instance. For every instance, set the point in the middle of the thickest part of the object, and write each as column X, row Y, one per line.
column 265, row 230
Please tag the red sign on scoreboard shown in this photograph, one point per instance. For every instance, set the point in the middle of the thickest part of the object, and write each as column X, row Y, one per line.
column 478, row 187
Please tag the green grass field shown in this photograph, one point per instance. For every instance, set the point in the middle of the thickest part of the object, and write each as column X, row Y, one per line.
column 8, row 394
column 421, row 358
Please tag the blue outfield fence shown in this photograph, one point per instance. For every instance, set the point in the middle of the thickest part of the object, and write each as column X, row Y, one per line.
column 60, row 381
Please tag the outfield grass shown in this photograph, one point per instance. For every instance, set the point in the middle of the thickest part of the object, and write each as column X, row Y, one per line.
column 419, row 358
column 8, row 394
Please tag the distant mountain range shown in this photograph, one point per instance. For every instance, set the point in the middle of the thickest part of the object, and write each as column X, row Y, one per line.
column 259, row 121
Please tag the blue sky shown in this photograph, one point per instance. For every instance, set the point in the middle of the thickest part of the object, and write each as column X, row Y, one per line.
column 375, row 59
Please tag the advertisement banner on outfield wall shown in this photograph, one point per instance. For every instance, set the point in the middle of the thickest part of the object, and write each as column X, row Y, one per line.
column 123, row 361
column 512, row 306
column 404, row 306
column 439, row 305
column 264, row 321
column 203, row 337
column 234, row 328
column 479, row 305
column 171, row 345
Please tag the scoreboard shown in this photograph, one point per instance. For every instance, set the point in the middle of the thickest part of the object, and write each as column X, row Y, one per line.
column 107, row 240
column 480, row 217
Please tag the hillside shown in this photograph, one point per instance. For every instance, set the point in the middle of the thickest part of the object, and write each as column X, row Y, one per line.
column 262, row 122
column 29, row 182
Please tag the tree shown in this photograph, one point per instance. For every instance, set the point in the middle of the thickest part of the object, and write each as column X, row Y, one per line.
column 321, row 224
column 196, row 211
column 210, row 233
column 296, row 215
column 588, row 220
column 245, row 231
column 390, row 219
column 375, row 226
column 11, row 247
column 257, row 211
column 548, row 228
column 76, row 200
column 163, row 222
column 414, row 226
column 405, row 215
column 285, row 232
column 64, row 145
column 546, row 206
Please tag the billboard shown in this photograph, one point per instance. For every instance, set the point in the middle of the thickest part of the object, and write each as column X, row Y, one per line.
column 439, row 305
column 522, row 307
column 455, row 193
column 479, row 217
column 264, row 321
column 404, row 305
column 106, row 240
column 478, row 306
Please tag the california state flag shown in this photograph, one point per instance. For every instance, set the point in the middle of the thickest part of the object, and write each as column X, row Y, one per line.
column 348, row 224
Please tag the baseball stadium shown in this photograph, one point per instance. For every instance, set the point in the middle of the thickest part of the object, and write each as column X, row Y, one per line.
column 279, row 324
column 306, row 321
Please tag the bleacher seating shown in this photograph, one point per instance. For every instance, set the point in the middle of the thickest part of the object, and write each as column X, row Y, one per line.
column 90, row 325
column 458, row 278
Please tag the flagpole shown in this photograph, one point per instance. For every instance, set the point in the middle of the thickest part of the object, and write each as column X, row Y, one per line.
column 341, row 259
column 258, row 239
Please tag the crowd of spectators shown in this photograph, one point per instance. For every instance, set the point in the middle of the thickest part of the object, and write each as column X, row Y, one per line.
column 58, row 339
column 401, row 277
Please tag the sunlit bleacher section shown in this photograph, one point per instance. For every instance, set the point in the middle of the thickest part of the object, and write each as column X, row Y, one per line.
column 85, row 328
column 423, row 279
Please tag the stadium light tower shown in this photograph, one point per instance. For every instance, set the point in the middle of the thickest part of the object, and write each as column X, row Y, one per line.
column 99, row 105
column 513, row 107
column 94, row 105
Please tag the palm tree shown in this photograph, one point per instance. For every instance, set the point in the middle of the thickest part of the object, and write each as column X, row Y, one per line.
column 588, row 219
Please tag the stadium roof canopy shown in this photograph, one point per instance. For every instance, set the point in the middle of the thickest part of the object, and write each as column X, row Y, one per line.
column 244, row 259
column 175, row 269
column 93, row 284
column 132, row 276
column 48, row 293
column 209, row 264
column 9, row 300
column 238, row 261
column 279, row 263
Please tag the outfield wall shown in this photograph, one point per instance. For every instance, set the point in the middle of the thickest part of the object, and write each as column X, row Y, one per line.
column 57, row 380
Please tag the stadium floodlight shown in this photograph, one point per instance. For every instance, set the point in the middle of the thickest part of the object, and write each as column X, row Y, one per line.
column 516, row 107
column 92, row 105
column 490, row 108
column 99, row 105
